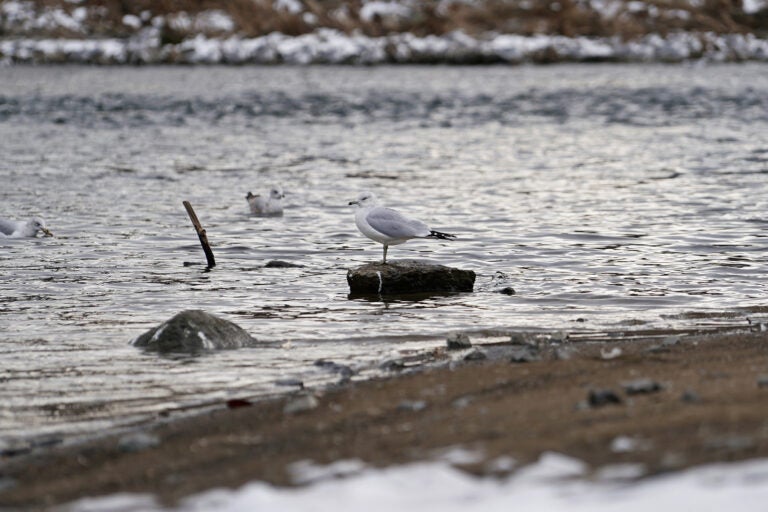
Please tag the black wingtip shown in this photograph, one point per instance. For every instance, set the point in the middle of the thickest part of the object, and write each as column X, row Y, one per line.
column 441, row 236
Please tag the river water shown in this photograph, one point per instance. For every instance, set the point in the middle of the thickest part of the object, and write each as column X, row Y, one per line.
column 612, row 198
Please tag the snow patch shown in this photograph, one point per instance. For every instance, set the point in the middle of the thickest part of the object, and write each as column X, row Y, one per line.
column 554, row 483
column 327, row 46
column 291, row 6
column 384, row 10
column 754, row 6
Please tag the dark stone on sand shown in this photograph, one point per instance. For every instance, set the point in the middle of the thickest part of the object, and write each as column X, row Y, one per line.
column 282, row 264
column 665, row 346
column 408, row 276
column 458, row 341
column 641, row 386
column 194, row 331
column 137, row 442
column 601, row 397
column 690, row 397
column 524, row 355
column 476, row 355
column 762, row 382
column 412, row 405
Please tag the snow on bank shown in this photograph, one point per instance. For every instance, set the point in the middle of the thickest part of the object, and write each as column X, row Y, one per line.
column 326, row 46
column 554, row 483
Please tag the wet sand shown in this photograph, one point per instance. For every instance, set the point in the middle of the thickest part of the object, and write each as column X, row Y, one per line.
column 702, row 402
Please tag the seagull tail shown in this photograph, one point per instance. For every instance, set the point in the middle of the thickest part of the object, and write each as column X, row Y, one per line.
column 440, row 235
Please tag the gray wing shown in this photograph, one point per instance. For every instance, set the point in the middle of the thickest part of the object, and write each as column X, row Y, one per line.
column 7, row 227
column 392, row 224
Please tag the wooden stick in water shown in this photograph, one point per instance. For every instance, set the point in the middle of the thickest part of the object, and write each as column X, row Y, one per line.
column 200, row 234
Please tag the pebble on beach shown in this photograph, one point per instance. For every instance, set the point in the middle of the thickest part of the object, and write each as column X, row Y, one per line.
column 301, row 403
column 601, row 397
column 641, row 386
column 524, row 355
column 137, row 442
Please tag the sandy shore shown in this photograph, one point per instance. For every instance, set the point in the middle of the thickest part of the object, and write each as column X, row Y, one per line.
column 667, row 406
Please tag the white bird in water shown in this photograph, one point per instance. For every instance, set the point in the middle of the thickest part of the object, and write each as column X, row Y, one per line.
column 387, row 226
column 272, row 204
column 23, row 228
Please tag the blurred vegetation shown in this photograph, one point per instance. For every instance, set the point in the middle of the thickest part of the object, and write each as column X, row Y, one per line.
column 627, row 19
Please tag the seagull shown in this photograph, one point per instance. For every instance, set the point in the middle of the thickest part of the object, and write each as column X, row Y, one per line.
column 271, row 205
column 387, row 226
column 22, row 228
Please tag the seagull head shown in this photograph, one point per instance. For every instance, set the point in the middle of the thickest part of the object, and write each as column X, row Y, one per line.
column 276, row 192
column 38, row 224
column 365, row 200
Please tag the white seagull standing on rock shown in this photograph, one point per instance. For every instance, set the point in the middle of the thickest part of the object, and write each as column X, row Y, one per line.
column 23, row 228
column 269, row 205
column 387, row 226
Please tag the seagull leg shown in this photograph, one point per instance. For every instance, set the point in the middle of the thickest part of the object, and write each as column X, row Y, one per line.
column 385, row 254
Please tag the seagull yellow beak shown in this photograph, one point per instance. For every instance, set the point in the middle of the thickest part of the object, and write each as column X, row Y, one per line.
column 46, row 231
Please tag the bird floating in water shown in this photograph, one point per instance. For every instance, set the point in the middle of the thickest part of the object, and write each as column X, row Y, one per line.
column 387, row 226
column 271, row 204
column 23, row 228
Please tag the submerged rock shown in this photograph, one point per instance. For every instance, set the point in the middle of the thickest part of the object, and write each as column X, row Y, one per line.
column 193, row 331
column 282, row 264
column 408, row 276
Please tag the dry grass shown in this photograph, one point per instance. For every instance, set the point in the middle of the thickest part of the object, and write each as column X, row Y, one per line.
column 525, row 17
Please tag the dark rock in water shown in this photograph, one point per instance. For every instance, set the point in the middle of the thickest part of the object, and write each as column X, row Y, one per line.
column 458, row 341
column 282, row 264
column 290, row 382
column 194, row 331
column 341, row 369
column 408, row 276
column 600, row 397
column 641, row 386
column 507, row 291
column 393, row 365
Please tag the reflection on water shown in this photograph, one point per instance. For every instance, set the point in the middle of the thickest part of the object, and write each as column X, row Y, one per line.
column 607, row 197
